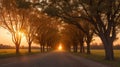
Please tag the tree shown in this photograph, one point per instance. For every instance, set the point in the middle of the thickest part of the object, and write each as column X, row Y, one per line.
column 71, row 35
column 30, row 28
column 89, row 28
column 31, row 25
column 66, row 11
column 52, row 37
column 12, row 20
column 102, row 14
column 47, row 33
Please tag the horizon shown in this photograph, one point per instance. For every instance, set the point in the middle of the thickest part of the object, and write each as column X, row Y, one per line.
column 6, row 39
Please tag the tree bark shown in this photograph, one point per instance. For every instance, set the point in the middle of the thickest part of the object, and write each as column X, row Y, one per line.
column 17, row 49
column 108, row 45
column 88, row 47
column 29, row 49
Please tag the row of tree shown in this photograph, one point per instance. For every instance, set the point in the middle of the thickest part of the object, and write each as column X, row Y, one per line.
column 24, row 20
column 103, row 15
column 73, row 36
column 82, row 18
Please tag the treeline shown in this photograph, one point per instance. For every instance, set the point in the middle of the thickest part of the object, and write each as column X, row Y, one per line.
column 99, row 17
column 116, row 47
column 6, row 46
column 72, row 22
column 21, row 19
column 2, row 46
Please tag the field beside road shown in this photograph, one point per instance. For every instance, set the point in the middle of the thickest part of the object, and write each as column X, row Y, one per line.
column 7, row 53
column 50, row 59
column 98, row 56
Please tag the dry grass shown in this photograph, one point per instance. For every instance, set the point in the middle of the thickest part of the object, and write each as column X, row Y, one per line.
column 6, row 53
column 98, row 56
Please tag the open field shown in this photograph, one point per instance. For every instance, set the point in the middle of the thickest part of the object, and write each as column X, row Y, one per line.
column 6, row 53
column 98, row 55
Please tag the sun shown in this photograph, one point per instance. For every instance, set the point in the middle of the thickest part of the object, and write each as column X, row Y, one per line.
column 20, row 33
column 60, row 47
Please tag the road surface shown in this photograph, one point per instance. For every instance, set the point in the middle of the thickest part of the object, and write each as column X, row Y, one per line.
column 52, row 59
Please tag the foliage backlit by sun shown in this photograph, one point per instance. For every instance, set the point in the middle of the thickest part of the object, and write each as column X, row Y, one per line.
column 20, row 33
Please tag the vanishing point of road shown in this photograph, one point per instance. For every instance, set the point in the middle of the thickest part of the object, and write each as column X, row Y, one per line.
column 51, row 59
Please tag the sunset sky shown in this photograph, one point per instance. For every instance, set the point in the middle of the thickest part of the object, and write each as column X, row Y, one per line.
column 5, row 38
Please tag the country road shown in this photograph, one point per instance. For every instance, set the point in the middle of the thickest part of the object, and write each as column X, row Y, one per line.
column 51, row 59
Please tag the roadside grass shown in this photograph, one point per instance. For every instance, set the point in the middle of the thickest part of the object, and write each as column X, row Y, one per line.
column 98, row 56
column 7, row 53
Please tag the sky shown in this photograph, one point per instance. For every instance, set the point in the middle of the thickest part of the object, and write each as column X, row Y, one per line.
column 5, row 38
column 98, row 40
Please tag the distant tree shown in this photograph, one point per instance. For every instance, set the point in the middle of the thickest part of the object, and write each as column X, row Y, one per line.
column 47, row 31
column 31, row 25
column 89, row 28
column 81, row 38
column 52, row 37
column 71, row 35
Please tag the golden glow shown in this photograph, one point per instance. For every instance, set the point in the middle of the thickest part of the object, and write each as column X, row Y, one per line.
column 6, row 39
column 20, row 33
column 60, row 47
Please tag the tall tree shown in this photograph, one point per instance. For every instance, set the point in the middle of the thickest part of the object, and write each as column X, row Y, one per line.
column 47, row 31
column 89, row 28
column 31, row 25
column 67, row 10
column 102, row 14
column 12, row 20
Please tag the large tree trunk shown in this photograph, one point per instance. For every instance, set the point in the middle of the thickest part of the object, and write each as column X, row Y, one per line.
column 17, row 49
column 108, row 45
column 88, row 41
column 29, row 48
column 88, row 47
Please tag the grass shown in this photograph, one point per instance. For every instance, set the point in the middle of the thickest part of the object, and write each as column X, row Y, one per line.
column 7, row 53
column 98, row 56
